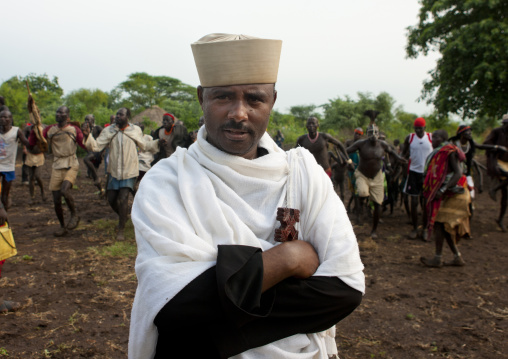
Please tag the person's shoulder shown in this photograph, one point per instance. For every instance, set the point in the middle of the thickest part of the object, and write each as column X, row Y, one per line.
column 180, row 128
column 497, row 130
column 72, row 126
column 134, row 127
column 52, row 127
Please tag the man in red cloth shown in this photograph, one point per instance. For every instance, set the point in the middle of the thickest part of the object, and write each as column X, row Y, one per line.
column 447, row 198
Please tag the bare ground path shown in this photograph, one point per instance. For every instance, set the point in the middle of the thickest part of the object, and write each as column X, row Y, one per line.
column 77, row 291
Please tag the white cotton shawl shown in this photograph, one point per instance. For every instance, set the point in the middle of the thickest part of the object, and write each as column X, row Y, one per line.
column 200, row 198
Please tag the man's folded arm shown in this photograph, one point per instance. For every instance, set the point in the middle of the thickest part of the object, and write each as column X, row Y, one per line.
column 252, row 298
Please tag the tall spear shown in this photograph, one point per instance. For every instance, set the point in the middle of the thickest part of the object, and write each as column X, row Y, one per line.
column 35, row 118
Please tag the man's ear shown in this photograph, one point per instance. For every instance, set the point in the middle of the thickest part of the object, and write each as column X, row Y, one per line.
column 200, row 95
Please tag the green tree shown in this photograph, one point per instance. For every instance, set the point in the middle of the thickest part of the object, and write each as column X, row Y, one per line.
column 471, row 77
column 288, row 124
column 303, row 112
column 142, row 90
column 347, row 113
column 85, row 101
column 405, row 121
column 46, row 92
column 341, row 113
column 187, row 111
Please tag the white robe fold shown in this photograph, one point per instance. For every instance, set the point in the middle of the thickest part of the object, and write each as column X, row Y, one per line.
column 199, row 198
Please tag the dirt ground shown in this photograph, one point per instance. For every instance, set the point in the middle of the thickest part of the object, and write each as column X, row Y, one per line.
column 77, row 291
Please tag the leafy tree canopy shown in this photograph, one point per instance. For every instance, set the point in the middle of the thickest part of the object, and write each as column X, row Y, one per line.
column 348, row 113
column 46, row 92
column 303, row 112
column 142, row 90
column 471, row 77
column 85, row 101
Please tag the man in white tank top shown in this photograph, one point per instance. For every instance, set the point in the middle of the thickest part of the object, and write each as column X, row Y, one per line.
column 9, row 136
column 417, row 147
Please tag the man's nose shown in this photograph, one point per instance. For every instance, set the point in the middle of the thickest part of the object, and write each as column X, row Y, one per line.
column 238, row 111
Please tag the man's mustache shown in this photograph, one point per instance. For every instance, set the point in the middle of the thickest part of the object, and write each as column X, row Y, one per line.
column 233, row 125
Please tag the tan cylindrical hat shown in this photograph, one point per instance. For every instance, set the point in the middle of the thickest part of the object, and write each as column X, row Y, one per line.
column 225, row 59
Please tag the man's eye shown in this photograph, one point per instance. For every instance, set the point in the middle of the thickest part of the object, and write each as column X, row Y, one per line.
column 256, row 99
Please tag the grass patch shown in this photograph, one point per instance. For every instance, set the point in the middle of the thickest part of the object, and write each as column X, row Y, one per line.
column 119, row 249
column 109, row 226
column 125, row 248
column 26, row 257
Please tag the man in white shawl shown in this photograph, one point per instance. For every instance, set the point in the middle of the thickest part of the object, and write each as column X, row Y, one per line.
column 212, row 281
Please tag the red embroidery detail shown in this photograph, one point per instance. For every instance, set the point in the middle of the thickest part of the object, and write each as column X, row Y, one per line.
column 287, row 217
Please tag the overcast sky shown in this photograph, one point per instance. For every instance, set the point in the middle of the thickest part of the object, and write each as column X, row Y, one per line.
column 330, row 48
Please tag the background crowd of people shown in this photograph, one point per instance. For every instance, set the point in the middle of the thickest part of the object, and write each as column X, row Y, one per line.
column 431, row 171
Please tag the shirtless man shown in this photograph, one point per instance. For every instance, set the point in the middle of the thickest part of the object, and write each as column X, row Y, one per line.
column 9, row 136
column 317, row 144
column 497, row 166
column 93, row 159
column 63, row 138
column 369, row 174
column 464, row 140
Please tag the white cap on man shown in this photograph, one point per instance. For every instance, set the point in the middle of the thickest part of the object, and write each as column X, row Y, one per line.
column 225, row 59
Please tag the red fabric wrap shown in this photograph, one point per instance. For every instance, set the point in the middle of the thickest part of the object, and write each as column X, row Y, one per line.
column 436, row 175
